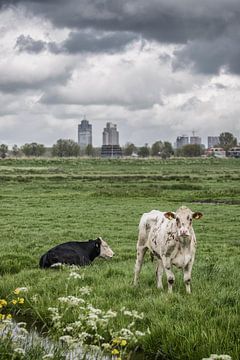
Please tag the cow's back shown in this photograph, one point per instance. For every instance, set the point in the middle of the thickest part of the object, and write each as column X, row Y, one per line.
column 147, row 222
column 71, row 253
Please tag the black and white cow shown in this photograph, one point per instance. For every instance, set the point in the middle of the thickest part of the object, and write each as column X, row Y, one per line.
column 171, row 239
column 76, row 253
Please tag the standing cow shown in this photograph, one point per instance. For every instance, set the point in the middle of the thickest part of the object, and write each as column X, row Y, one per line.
column 171, row 239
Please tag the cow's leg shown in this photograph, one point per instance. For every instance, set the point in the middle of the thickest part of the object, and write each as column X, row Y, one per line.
column 159, row 274
column 139, row 261
column 170, row 275
column 187, row 271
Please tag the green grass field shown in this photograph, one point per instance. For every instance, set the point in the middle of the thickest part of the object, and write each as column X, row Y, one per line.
column 46, row 202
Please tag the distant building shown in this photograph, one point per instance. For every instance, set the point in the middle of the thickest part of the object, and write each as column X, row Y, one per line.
column 84, row 134
column 213, row 141
column 110, row 134
column 110, row 147
column 195, row 140
column 181, row 141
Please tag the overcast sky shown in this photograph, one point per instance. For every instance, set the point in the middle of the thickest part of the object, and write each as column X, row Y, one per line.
column 156, row 68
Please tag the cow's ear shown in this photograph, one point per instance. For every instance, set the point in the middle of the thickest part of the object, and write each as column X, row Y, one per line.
column 197, row 215
column 169, row 215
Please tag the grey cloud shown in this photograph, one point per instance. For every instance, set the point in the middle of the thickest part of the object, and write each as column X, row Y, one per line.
column 209, row 57
column 27, row 43
column 220, row 86
column 207, row 29
column 191, row 104
column 134, row 102
column 78, row 42
column 166, row 21
column 18, row 85
column 94, row 42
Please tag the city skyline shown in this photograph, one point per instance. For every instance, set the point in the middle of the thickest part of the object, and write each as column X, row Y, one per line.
column 158, row 69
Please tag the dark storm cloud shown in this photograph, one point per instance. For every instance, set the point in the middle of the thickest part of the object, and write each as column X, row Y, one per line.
column 93, row 42
column 205, row 28
column 78, row 42
column 167, row 21
column 209, row 57
column 28, row 44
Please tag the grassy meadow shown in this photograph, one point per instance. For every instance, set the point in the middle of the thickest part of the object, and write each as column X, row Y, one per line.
column 48, row 201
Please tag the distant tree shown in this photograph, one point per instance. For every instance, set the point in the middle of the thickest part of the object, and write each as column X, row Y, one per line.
column 89, row 150
column 162, row 149
column 65, row 148
column 144, row 151
column 3, row 151
column 33, row 149
column 227, row 140
column 191, row 150
column 15, row 150
column 156, row 148
column 129, row 149
column 167, row 150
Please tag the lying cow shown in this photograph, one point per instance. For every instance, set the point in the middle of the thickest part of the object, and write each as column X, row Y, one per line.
column 76, row 253
column 171, row 239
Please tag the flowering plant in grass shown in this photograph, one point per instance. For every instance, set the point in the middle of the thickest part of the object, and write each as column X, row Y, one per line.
column 76, row 322
column 10, row 305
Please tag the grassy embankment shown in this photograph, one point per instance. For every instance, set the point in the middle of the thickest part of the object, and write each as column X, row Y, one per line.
column 46, row 202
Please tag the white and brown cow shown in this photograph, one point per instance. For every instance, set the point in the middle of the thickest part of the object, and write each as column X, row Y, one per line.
column 171, row 239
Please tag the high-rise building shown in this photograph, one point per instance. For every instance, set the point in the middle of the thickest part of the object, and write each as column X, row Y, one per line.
column 110, row 147
column 110, row 134
column 195, row 140
column 84, row 134
column 181, row 141
column 212, row 141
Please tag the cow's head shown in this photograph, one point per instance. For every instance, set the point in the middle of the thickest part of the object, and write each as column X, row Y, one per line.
column 183, row 217
column 105, row 250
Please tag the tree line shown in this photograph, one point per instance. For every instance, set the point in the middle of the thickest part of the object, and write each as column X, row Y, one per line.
column 69, row 148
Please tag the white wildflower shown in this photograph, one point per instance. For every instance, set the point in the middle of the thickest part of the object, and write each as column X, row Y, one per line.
column 75, row 275
column 106, row 346
column 53, row 310
column 139, row 333
column 68, row 329
column 19, row 351
column 126, row 333
column 110, row 314
column 127, row 313
column 77, row 324
column 71, row 300
column 67, row 339
column 84, row 335
column 85, row 290
column 92, row 324
column 34, row 298
column 136, row 315
column 93, row 310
